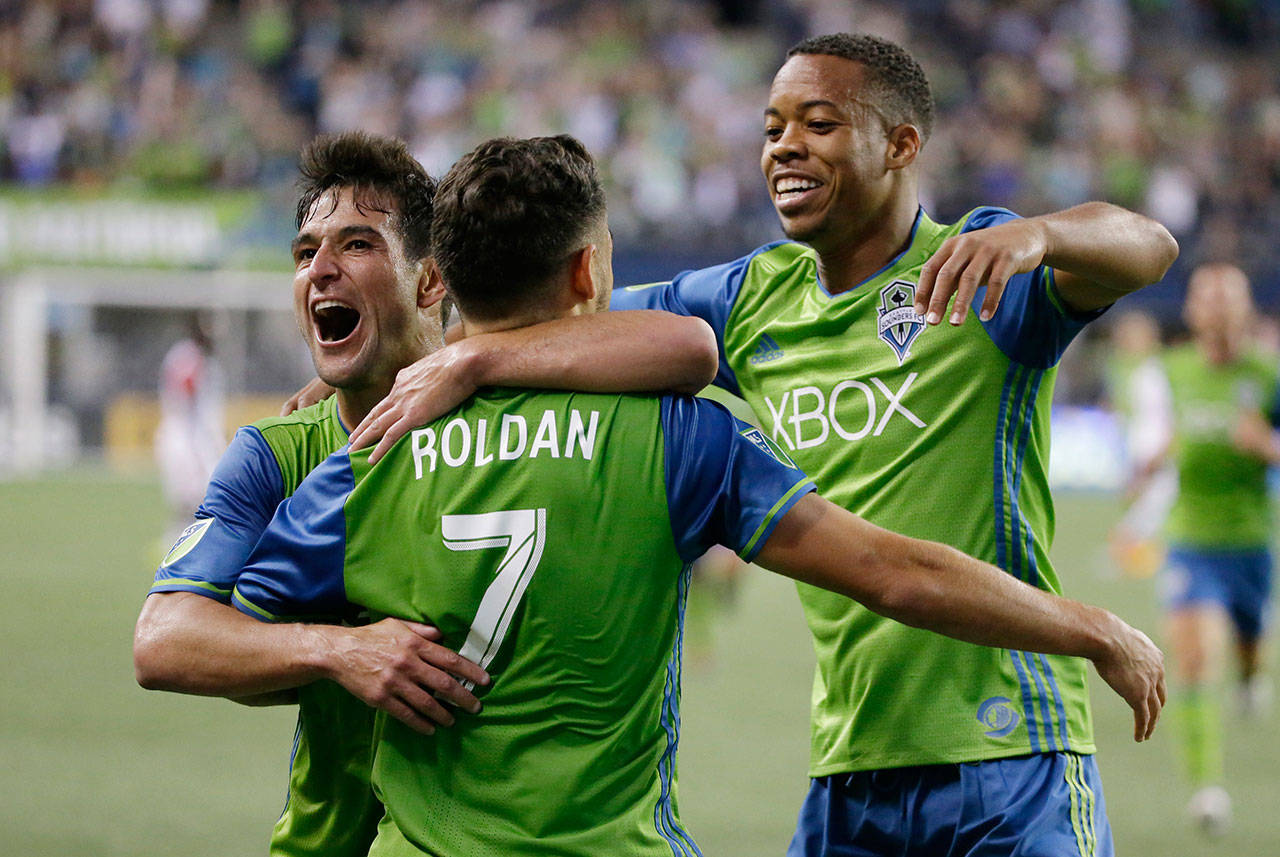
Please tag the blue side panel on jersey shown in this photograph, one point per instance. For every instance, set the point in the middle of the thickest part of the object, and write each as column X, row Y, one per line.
column 723, row 486
column 243, row 493
column 1028, row 327
column 708, row 293
column 297, row 567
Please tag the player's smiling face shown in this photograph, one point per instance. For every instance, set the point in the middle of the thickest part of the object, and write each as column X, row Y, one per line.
column 824, row 149
column 356, row 296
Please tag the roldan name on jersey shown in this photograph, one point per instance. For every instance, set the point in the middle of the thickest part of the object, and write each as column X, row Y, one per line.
column 852, row 410
column 460, row 442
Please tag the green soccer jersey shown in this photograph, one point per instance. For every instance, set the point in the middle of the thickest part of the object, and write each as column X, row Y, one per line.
column 938, row 433
column 548, row 536
column 330, row 808
column 1222, row 497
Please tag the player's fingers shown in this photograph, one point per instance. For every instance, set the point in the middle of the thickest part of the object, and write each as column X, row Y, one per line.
column 1161, row 690
column 427, row 632
column 425, row 702
column 364, row 433
column 453, row 664
column 405, row 714
column 929, row 277
column 396, row 431
column 974, row 275
column 948, row 280
column 1001, row 270
column 290, row 405
column 442, row 686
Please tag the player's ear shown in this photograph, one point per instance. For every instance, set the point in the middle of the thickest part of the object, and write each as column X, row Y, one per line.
column 430, row 284
column 582, row 278
column 902, row 147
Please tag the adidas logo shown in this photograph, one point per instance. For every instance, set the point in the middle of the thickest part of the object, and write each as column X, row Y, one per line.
column 766, row 350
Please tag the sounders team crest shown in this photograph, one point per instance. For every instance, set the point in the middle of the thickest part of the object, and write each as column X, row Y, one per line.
column 898, row 324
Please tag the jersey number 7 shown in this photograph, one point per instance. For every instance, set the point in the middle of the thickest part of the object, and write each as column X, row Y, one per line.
column 522, row 533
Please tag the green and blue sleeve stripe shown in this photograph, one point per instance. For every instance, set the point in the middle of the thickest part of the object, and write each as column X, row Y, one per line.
column 725, row 483
column 708, row 293
column 298, row 566
column 243, row 493
column 1032, row 325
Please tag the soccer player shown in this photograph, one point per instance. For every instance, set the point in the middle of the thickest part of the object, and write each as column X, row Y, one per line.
column 366, row 304
column 549, row 535
column 936, row 431
column 1218, row 572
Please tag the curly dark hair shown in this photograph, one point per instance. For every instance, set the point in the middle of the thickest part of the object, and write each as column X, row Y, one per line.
column 383, row 176
column 898, row 86
column 508, row 215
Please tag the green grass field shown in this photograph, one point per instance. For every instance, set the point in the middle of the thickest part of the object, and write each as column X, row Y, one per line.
column 90, row 765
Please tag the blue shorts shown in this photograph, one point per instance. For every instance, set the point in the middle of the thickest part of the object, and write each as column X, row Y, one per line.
column 1045, row 805
column 1238, row 581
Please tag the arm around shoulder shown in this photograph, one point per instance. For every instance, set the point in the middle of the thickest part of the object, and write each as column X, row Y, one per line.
column 935, row 587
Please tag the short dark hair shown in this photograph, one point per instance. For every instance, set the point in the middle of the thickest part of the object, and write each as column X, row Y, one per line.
column 383, row 177
column 898, row 85
column 507, row 217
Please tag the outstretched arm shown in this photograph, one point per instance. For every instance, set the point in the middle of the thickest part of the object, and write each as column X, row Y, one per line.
column 932, row 586
column 614, row 352
column 1099, row 252
column 188, row 643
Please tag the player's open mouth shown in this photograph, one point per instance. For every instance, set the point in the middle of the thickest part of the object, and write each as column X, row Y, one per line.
column 334, row 321
column 793, row 192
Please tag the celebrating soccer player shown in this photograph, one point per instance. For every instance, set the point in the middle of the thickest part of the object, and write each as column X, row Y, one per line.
column 549, row 535
column 366, row 304
column 939, row 431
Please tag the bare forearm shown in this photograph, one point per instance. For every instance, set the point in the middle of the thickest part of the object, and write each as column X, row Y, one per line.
column 614, row 352
column 928, row 585
column 187, row 643
column 1104, row 251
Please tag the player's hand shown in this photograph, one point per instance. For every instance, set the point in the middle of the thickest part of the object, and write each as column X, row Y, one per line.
column 399, row 667
column 965, row 262
column 315, row 391
column 1134, row 668
column 423, row 391
column 1252, row 435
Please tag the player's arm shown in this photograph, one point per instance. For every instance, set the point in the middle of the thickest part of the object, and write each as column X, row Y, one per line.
column 605, row 352
column 1098, row 252
column 188, row 643
column 189, row 639
column 932, row 586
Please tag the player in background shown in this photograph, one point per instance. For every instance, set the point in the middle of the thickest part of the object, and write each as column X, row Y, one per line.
column 550, row 537
column 1139, row 396
column 1217, row 580
column 367, row 305
column 936, row 431
column 190, row 436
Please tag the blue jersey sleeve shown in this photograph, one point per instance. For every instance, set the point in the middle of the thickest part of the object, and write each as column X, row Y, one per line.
column 726, row 482
column 296, row 570
column 708, row 293
column 1032, row 325
column 243, row 492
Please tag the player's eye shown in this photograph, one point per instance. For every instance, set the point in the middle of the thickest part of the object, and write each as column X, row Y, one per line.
column 305, row 254
column 821, row 126
column 772, row 132
column 358, row 244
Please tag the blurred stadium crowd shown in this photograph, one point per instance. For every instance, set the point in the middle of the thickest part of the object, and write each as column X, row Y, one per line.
column 1171, row 107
